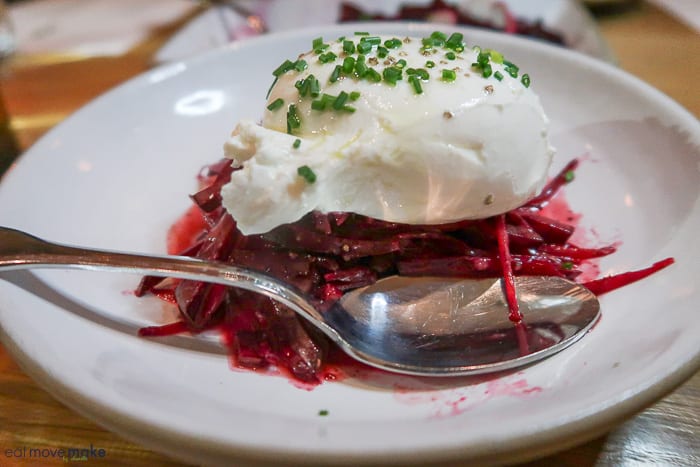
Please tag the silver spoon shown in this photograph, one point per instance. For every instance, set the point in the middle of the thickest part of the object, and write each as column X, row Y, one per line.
column 422, row 326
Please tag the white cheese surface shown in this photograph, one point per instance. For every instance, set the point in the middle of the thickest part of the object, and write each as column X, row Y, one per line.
column 469, row 148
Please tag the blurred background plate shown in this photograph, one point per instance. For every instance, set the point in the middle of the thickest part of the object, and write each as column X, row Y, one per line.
column 217, row 26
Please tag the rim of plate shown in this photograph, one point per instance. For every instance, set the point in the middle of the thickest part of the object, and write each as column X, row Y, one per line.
column 564, row 433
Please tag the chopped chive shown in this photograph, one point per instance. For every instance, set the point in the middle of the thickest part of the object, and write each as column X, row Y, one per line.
column 341, row 38
column 483, row 58
column 296, row 144
column 327, row 57
column 423, row 74
column 293, row 121
column 439, row 35
column 348, row 47
column 450, row 55
column 568, row 265
column 318, row 104
column 361, row 33
column 455, row 41
column 508, row 64
column 348, row 65
column 270, row 88
column 348, row 109
column 428, row 42
column 525, row 80
column 430, row 64
column 306, row 173
column 448, row 75
column 498, row 75
column 373, row 75
column 328, row 99
column 364, row 47
column 323, row 412
column 569, row 176
column 382, row 52
column 415, row 82
column 283, row 68
column 300, row 65
column 391, row 75
column 360, row 66
column 486, row 70
column 393, row 43
column 496, row 56
column 335, row 74
column 354, row 95
column 314, row 86
column 303, row 86
column 401, row 63
column 374, row 40
column 340, row 100
column 276, row 104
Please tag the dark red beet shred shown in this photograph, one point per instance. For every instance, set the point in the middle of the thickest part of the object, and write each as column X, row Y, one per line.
column 326, row 255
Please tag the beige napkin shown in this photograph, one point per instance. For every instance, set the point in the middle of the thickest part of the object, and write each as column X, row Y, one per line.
column 90, row 27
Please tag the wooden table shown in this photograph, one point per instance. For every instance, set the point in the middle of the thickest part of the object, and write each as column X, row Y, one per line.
column 40, row 93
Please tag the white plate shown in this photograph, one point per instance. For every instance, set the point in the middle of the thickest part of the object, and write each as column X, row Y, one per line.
column 118, row 172
column 213, row 27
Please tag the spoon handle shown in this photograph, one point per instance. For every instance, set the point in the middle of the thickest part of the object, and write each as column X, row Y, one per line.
column 20, row 250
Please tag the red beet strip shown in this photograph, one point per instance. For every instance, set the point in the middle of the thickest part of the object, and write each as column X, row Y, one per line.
column 507, row 271
column 610, row 283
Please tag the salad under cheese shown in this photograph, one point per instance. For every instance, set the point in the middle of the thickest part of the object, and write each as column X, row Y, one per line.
column 376, row 156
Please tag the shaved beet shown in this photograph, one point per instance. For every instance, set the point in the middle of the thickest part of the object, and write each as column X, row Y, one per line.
column 610, row 283
column 324, row 255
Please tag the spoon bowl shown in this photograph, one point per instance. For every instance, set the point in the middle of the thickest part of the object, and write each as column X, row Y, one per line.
column 428, row 326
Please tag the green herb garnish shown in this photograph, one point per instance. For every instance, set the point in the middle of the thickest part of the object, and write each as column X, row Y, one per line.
column 348, row 65
column 340, row 100
column 293, row 121
column 276, row 104
column 335, row 75
column 449, row 75
column 327, row 57
column 283, row 68
column 393, row 43
column 300, row 65
column 455, row 42
column 391, row 75
column 373, row 75
column 364, row 47
column 360, row 66
column 307, row 174
column 415, row 82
